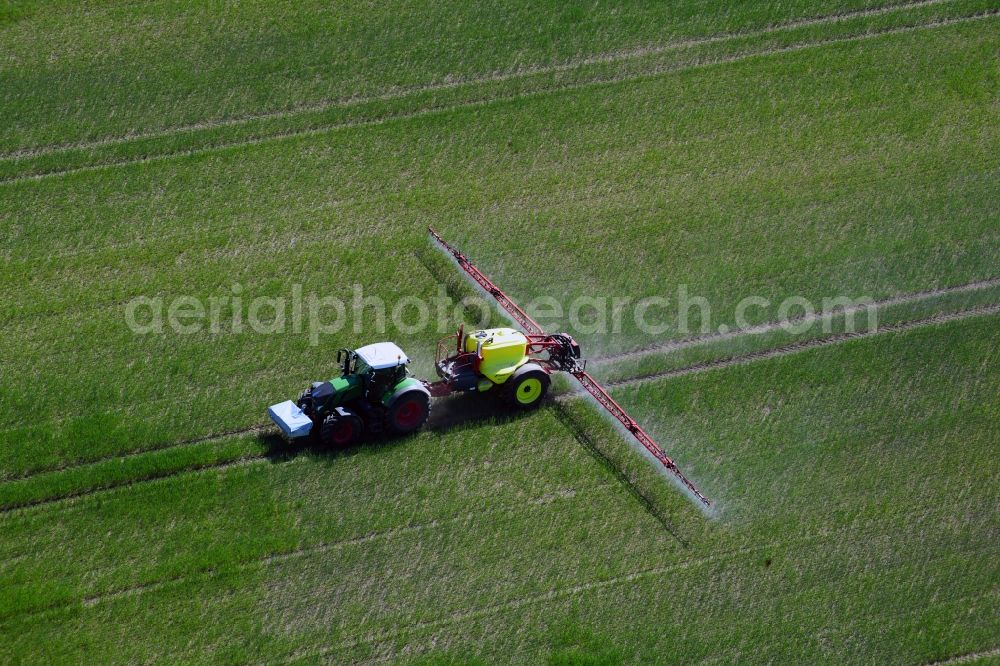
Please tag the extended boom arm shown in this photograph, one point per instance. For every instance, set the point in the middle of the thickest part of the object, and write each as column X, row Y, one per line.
column 591, row 385
column 513, row 309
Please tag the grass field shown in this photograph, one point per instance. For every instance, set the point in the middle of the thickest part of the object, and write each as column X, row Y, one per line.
column 843, row 536
column 772, row 149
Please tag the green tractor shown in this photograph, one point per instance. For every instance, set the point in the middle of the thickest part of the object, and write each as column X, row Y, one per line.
column 373, row 394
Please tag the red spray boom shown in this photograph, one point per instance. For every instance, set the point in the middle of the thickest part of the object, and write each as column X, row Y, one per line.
column 575, row 368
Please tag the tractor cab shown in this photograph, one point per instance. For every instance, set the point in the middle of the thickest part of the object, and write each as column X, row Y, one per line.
column 381, row 362
column 380, row 366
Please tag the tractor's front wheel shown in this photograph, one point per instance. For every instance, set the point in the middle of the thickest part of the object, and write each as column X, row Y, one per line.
column 528, row 386
column 408, row 413
column 341, row 429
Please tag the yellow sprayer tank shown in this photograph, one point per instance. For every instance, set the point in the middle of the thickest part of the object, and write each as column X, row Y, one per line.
column 503, row 350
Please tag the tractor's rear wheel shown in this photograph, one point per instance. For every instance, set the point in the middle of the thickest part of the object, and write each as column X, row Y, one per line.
column 341, row 429
column 408, row 413
column 528, row 386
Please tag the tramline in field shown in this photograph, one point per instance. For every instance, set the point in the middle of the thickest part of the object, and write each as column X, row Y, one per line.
column 375, row 393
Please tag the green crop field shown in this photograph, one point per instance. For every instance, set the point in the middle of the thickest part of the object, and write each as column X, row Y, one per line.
column 798, row 150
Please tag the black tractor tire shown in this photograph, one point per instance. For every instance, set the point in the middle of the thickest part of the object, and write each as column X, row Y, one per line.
column 341, row 429
column 408, row 412
column 527, row 386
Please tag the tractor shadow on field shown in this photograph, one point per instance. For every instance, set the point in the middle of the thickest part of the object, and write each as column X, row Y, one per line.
column 587, row 442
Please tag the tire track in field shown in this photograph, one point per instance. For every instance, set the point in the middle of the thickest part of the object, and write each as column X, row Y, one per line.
column 122, row 456
column 771, row 327
column 521, row 602
column 544, row 499
column 325, row 547
column 118, row 484
column 581, row 588
column 277, row 557
column 578, row 195
column 403, row 92
column 796, row 347
column 896, row 615
column 442, row 422
column 968, row 658
column 489, row 100
column 437, row 421
column 587, row 587
column 92, row 600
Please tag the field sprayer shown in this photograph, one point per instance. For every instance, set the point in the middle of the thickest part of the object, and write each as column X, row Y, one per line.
column 375, row 393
